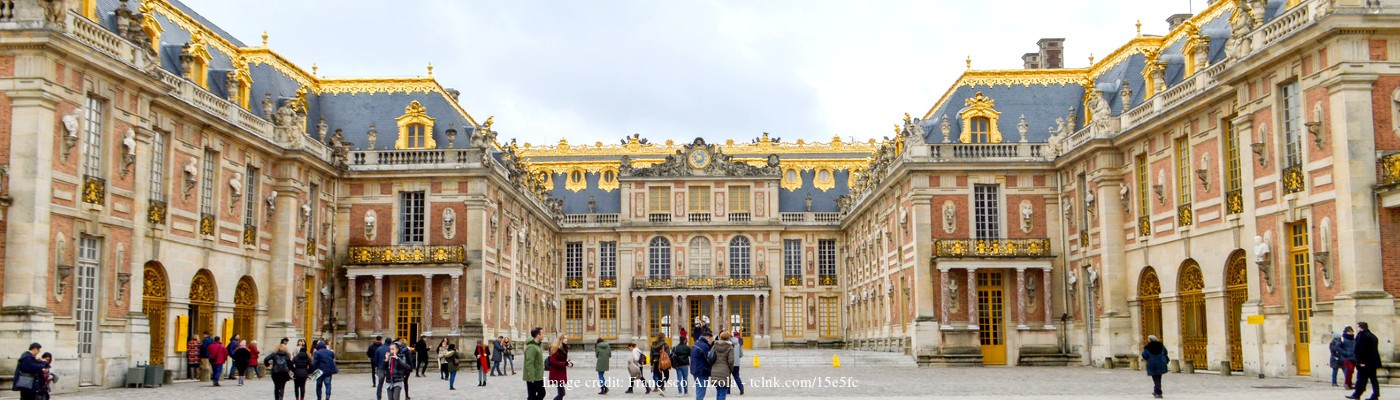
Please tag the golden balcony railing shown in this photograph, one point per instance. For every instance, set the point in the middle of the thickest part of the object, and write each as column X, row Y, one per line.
column 1039, row 247
column 1234, row 201
column 1184, row 215
column 94, row 190
column 608, row 282
column 573, row 283
column 206, row 224
column 1144, row 226
column 826, row 280
column 703, row 283
column 1390, row 169
column 250, row 235
column 311, row 247
column 792, row 280
column 156, row 212
column 406, row 254
column 1293, row 179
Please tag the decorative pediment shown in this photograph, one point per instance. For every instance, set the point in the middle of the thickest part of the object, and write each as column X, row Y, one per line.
column 980, row 106
column 415, row 128
column 700, row 159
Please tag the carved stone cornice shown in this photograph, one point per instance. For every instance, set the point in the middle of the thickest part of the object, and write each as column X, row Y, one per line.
column 711, row 162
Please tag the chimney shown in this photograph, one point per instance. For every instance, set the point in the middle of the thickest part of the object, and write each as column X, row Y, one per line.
column 1052, row 53
column 1031, row 60
column 454, row 93
column 1176, row 20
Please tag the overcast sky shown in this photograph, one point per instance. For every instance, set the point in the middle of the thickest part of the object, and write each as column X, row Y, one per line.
column 598, row 70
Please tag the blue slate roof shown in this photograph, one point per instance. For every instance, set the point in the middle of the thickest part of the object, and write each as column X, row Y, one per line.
column 577, row 202
column 1130, row 71
column 822, row 201
column 354, row 113
column 1041, row 104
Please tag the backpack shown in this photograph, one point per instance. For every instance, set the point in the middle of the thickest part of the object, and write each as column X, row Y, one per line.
column 664, row 361
column 279, row 364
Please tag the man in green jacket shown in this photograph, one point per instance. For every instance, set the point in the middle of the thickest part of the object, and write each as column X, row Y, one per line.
column 534, row 367
column 602, row 351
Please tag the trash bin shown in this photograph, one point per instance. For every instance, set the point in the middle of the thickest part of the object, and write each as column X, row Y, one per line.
column 155, row 375
column 136, row 376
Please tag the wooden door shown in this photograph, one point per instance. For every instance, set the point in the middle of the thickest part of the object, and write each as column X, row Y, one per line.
column 990, row 320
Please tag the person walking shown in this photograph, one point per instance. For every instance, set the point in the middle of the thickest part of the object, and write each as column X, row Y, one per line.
column 421, row 352
column 700, row 363
column 635, row 360
column 379, row 367
column 483, row 366
column 232, row 347
column 323, row 360
column 498, row 350
column 192, row 358
column 241, row 355
column 450, row 359
column 397, row 369
column 738, row 342
column 218, row 354
column 374, row 360
column 510, row 354
column 602, row 354
column 442, row 364
column 30, row 368
column 1368, row 358
column 559, row 364
column 301, row 369
column 723, row 367
column 1334, row 359
column 253, row 355
column 680, row 361
column 1348, row 354
column 660, row 362
column 47, row 378
column 1156, row 356
column 534, row 367
column 279, row 365
column 410, row 356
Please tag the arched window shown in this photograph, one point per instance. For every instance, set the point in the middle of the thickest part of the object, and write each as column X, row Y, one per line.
column 659, row 256
column 739, row 257
column 699, row 257
column 981, row 128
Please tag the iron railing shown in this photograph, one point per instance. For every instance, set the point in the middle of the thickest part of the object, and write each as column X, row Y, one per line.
column 1293, row 179
column 1184, row 215
column 406, row 254
column 1234, row 201
column 701, row 283
column 1039, row 247
column 94, row 190
column 1390, row 169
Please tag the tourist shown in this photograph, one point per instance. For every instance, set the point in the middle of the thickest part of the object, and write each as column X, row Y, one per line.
column 232, row 347
column 253, row 354
column 192, row 358
column 301, row 369
column 279, row 365
column 301, row 346
column 47, row 379
column 738, row 342
column 602, row 354
column 410, row 356
column 1334, row 350
column 498, row 350
column 680, row 360
column 1349, row 354
column 218, row 354
column 397, row 369
column 723, row 367
column 510, row 354
column 374, row 359
column 635, row 360
column 450, row 359
column 483, row 355
column 442, row 364
column 660, row 362
column 323, row 360
column 700, row 363
column 204, row 364
column 534, row 367
column 1368, row 358
column 420, row 349
column 378, row 364
column 1156, row 355
column 558, row 365
column 29, row 373
column 241, row 355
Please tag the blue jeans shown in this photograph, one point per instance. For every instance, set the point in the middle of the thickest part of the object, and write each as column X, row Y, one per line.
column 452, row 379
column 324, row 381
column 701, row 383
column 721, row 392
column 380, row 375
column 496, row 367
column 1334, row 376
column 737, row 380
column 681, row 373
column 218, row 369
column 602, row 383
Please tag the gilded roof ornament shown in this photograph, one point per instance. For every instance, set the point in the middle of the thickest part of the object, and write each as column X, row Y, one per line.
column 264, row 38
column 489, row 120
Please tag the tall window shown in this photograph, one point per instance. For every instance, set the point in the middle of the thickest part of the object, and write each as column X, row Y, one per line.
column 1140, row 175
column 659, row 200
column 573, row 318
column 792, row 262
column 85, row 307
column 792, row 316
column 1299, row 259
column 827, row 318
column 699, row 257
column 158, row 166
column 607, row 318
column 1084, row 210
column 573, row 264
column 411, row 217
column 607, row 261
column 699, row 199
column 659, row 258
column 1183, row 170
column 92, row 137
column 1292, row 125
column 1232, row 155
column 250, row 197
column 739, row 257
column 826, row 261
column 416, row 136
column 739, row 199
column 981, row 129
column 206, row 184
column 313, row 198
column 987, row 211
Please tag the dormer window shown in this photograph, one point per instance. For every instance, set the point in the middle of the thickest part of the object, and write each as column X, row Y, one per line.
column 981, row 131
column 195, row 57
column 415, row 128
column 415, row 136
column 980, row 120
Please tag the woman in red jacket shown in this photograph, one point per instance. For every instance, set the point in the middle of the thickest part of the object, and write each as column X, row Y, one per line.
column 482, row 353
column 557, row 365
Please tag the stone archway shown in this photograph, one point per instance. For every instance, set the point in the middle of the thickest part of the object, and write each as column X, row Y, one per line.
column 154, row 298
column 1149, row 304
column 1192, row 323
column 1236, row 293
column 203, row 294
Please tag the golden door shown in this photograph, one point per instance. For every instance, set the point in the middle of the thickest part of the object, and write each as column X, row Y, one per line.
column 1302, row 294
column 990, row 320
column 659, row 319
column 408, row 310
column 741, row 318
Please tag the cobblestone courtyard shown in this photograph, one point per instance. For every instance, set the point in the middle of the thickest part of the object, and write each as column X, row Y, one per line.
column 768, row 382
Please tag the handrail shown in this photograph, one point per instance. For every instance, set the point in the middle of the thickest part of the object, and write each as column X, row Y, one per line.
column 1039, row 247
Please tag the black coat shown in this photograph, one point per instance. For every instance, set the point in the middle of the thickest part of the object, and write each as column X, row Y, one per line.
column 301, row 365
column 1367, row 353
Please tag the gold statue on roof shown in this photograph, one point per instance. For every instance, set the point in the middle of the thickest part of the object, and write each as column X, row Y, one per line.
column 906, row 118
column 489, row 120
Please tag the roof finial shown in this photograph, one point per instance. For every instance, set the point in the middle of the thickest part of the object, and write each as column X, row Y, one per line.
column 313, row 70
column 430, row 68
column 264, row 36
column 969, row 62
column 1091, row 59
column 1139, row 28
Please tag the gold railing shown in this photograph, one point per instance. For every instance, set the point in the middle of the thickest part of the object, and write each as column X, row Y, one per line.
column 311, row 247
column 206, row 224
column 156, row 212
column 1390, row 169
column 1292, row 179
column 94, row 190
column 751, row 282
column 1234, row 201
column 826, row 280
column 1144, row 226
column 608, row 282
column 1184, row 216
column 250, row 235
column 792, row 280
column 992, row 247
column 408, row 254
column 573, row 283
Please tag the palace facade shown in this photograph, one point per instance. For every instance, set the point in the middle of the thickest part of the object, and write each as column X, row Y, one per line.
column 1231, row 186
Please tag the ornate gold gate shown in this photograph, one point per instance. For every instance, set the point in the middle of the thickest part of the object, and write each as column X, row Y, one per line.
column 245, row 302
column 203, row 293
column 1150, row 304
column 1236, row 293
column 1193, row 313
column 155, row 295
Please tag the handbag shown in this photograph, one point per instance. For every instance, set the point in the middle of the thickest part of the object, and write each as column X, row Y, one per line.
column 24, row 382
column 316, row 375
column 664, row 361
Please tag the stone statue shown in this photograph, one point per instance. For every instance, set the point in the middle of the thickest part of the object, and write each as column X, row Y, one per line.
column 271, row 204
column 451, row 135
column 1241, row 24
column 592, row 205
column 945, row 128
column 1101, row 111
column 54, row 13
column 267, row 106
column 449, row 223
column 129, row 142
column 372, row 136
column 913, row 131
column 1125, row 95
column 1261, row 250
column 950, row 217
column 808, row 202
column 1022, row 128
column 1027, row 213
column 235, row 185
column 1071, row 120
column 1093, row 275
column 70, row 130
column 285, row 116
column 321, row 129
column 1072, row 279
column 951, row 286
column 340, row 149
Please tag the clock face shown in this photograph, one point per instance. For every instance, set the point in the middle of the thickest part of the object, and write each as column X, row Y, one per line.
column 698, row 158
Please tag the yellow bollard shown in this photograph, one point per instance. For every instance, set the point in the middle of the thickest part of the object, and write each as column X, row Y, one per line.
column 836, row 361
column 755, row 361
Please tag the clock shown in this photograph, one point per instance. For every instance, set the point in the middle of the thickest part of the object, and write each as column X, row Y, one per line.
column 698, row 158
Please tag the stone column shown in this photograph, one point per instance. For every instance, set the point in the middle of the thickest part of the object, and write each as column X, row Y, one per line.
column 1045, row 285
column 717, row 314
column 378, row 305
column 428, row 301
column 972, row 298
column 350, row 309
column 947, row 296
column 282, row 271
column 1115, row 328
column 1021, row 294
column 456, row 305
column 27, row 267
